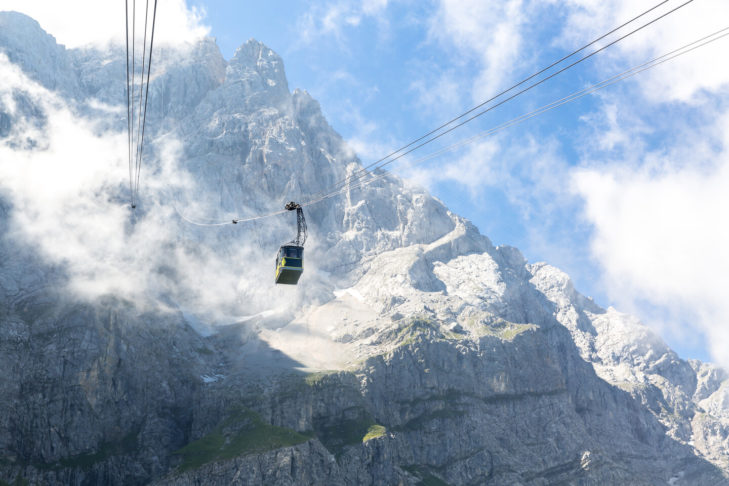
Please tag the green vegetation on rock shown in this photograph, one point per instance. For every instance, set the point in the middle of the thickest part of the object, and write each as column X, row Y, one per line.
column 243, row 432
column 418, row 327
column 127, row 445
column 505, row 330
column 337, row 434
column 313, row 379
column 203, row 350
column 373, row 432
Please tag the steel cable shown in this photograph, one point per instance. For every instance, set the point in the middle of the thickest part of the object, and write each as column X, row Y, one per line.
column 364, row 169
column 492, row 107
column 146, row 96
column 137, row 117
column 514, row 121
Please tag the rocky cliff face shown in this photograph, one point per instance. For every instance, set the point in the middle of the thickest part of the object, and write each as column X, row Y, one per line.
column 412, row 352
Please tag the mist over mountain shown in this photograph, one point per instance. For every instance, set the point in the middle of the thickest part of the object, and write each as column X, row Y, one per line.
column 138, row 348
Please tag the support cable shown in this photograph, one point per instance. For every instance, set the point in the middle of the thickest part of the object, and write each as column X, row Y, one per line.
column 129, row 122
column 345, row 180
column 362, row 172
column 137, row 101
column 515, row 121
column 141, row 92
column 722, row 33
column 146, row 96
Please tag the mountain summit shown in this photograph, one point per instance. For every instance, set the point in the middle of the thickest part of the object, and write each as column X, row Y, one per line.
column 154, row 348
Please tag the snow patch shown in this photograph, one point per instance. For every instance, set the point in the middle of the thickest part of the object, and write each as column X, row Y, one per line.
column 212, row 378
column 266, row 313
column 351, row 291
column 675, row 479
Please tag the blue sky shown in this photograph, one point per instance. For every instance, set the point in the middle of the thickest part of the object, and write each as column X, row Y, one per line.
column 627, row 190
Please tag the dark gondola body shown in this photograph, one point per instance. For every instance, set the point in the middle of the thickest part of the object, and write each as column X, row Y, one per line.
column 290, row 258
column 289, row 264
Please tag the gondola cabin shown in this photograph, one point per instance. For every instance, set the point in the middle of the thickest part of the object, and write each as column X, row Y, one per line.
column 289, row 264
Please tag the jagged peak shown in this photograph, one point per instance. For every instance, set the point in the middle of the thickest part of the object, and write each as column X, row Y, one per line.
column 19, row 31
column 253, row 46
column 36, row 52
column 19, row 22
column 255, row 53
column 259, row 68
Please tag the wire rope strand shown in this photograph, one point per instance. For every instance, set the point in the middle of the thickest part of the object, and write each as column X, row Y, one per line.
column 138, row 159
column 552, row 105
column 633, row 71
column 129, row 124
column 603, row 84
column 230, row 221
column 146, row 96
column 490, row 108
column 345, row 180
column 134, row 90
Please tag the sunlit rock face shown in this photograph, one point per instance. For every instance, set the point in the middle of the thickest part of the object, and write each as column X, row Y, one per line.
column 152, row 350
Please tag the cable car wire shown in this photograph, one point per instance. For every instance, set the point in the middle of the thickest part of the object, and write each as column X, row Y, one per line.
column 146, row 96
column 229, row 221
column 361, row 172
column 137, row 117
column 435, row 130
column 141, row 90
column 129, row 121
column 576, row 95
column 514, row 121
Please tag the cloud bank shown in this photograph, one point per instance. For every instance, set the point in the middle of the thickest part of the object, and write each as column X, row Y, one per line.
column 83, row 23
column 66, row 181
column 649, row 175
column 661, row 237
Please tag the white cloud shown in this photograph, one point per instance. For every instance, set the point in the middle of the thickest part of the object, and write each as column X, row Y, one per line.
column 334, row 18
column 530, row 173
column 474, row 169
column 486, row 43
column 489, row 33
column 63, row 191
column 661, row 236
column 68, row 199
column 78, row 23
column 499, row 37
column 655, row 170
column 367, row 141
column 441, row 93
column 680, row 80
column 481, row 44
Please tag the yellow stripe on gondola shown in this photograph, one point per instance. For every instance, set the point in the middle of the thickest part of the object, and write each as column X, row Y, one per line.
column 289, row 270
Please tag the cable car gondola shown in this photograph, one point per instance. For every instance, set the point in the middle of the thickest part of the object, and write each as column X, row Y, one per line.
column 290, row 258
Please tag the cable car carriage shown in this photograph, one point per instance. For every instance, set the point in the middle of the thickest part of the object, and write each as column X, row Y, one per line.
column 289, row 264
column 290, row 258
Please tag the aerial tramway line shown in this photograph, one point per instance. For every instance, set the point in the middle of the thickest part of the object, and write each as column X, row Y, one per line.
column 137, row 90
column 289, row 260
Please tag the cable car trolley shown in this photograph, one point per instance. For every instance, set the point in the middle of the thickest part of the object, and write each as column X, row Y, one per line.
column 290, row 258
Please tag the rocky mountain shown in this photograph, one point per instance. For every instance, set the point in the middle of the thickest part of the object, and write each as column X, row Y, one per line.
column 138, row 348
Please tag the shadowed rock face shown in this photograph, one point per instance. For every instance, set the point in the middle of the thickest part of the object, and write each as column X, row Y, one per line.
column 413, row 352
